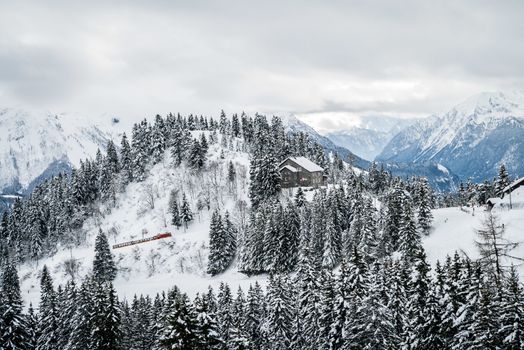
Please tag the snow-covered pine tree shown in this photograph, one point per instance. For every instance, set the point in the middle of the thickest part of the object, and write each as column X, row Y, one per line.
column 13, row 326
column 235, row 125
column 280, row 313
column 224, row 315
column 179, row 141
column 326, row 313
column 48, row 311
column 126, row 160
column 104, row 267
column 231, row 172
column 158, row 139
column 139, row 151
column 502, row 180
column 239, row 337
column 185, row 211
column 410, row 243
column 208, row 336
column 32, row 328
column 173, row 209
column 197, row 156
column 112, row 158
column 265, row 179
column 67, row 299
column 217, row 242
column 424, row 215
column 230, row 247
column 511, row 326
column 105, row 319
column 418, row 291
column 181, row 331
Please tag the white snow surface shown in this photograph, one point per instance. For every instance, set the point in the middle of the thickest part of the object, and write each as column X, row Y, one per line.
column 30, row 141
column 454, row 228
column 306, row 164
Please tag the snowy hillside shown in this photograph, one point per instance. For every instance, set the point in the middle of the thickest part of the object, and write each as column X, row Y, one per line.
column 454, row 228
column 471, row 140
column 158, row 265
column 34, row 144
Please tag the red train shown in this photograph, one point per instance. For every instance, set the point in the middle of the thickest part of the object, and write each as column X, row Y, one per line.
column 143, row 240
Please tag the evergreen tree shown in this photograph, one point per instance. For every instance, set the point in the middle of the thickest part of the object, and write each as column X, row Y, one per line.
column 424, row 215
column 67, row 300
column 217, row 242
column 173, row 209
column 511, row 327
column 185, row 211
column 48, row 325
column 224, row 314
column 502, row 180
column 231, row 172
column 279, row 317
column 104, row 268
column 105, row 320
column 32, row 328
column 181, row 331
column 208, row 336
column 410, row 242
column 265, row 179
column 126, row 162
column 13, row 326
column 197, row 156
column 254, row 315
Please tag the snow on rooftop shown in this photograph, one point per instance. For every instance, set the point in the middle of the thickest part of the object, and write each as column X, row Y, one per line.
column 306, row 164
column 513, row 184
column 290, row 168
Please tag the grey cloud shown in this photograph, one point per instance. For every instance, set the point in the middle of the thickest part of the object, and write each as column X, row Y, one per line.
column 304, row 57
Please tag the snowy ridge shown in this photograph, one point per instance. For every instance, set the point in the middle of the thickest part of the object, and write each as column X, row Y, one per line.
column 31, row 142
column 470, row 140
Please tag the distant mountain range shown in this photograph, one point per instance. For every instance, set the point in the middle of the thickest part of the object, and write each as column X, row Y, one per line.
column 439, row 177
column 370, row 134
column 471, row 140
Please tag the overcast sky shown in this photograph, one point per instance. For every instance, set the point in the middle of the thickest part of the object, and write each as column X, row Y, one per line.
column 326, row 61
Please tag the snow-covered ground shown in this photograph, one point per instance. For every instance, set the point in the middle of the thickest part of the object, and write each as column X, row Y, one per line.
column 158, row 265
column 454, row 228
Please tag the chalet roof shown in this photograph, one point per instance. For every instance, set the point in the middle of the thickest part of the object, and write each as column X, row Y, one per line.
column 306, row 164
column 493, row 200
column 290, row 168
column 513, row 185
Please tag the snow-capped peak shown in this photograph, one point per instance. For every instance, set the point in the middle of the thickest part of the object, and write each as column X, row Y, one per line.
column 488, row 126
column 31, row 142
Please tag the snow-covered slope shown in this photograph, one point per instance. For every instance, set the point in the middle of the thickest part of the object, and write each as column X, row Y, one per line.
column 369, row 137
column 158, row 265
column 471, row 140
column 38, row 144
column 454, row 228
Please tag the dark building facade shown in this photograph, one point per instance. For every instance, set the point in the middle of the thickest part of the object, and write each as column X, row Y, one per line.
column 301, row 172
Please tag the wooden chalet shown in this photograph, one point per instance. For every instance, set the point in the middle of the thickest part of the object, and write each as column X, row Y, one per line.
column 301, row 172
